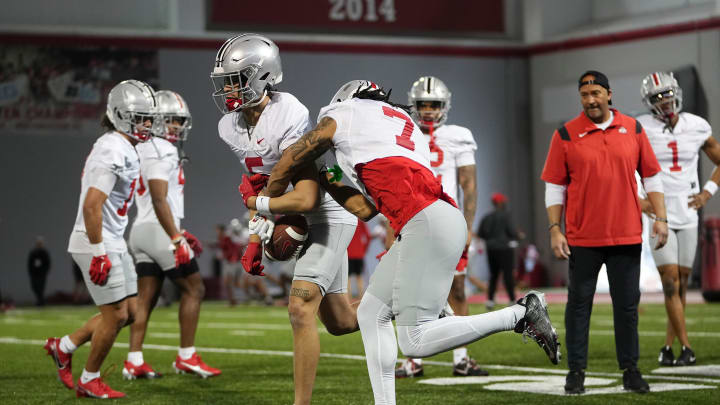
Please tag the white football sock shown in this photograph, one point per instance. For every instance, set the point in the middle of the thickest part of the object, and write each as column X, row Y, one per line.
column 378, row 335
column 186, row 352
column 459, row 355
column 136, row 358
column 88, row 376
column 440, row 335
column 66, row 345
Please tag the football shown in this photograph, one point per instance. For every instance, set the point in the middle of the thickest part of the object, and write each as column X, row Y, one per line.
column 289, row 235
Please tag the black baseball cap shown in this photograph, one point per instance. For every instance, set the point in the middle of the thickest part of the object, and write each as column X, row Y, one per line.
column 599, row 78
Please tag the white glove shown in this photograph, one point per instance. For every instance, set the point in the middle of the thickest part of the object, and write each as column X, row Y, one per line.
column 262, row 227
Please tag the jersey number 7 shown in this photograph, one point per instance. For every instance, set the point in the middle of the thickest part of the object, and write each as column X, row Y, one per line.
column 404, row 138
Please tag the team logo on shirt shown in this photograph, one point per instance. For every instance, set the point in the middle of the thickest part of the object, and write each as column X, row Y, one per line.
column 622, row 130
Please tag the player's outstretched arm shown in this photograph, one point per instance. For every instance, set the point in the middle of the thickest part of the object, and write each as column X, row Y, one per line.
column 308, row 148
column 348, row 197
column 92, row 214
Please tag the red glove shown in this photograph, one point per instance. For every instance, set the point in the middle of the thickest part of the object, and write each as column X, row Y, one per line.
column 381, row 254
column 182, row 250
column 462, row 264
column 252, row 258
column 99, row 269
column 194, row 243
column 251, row 186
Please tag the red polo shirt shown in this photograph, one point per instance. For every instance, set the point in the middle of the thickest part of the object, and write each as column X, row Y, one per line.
column 602, row 207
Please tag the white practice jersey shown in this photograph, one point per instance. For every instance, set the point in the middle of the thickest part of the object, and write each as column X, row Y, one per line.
column 283, row 121
column 451, row 147
column 159, row 160
column 678, row 153
column 112, row 167
column 368, row 130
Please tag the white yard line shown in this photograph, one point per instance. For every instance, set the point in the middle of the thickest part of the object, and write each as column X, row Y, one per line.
column 534, row 370
column 321, row 329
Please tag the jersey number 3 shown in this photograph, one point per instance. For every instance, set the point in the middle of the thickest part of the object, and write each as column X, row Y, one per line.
column 404, row 138
column 675, row 167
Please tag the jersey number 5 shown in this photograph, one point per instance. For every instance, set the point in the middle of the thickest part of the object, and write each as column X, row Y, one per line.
column 251, row 162
column 675, row 167
column 404, row 138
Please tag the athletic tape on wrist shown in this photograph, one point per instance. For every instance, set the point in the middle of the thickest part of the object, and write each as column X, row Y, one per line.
column 98, row 249
column 262, row 204
column 711, row 187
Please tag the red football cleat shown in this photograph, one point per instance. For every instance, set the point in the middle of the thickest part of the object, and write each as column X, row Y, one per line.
column 63, row 361
column 96, row 388
column 194, row 365
column 131, row 371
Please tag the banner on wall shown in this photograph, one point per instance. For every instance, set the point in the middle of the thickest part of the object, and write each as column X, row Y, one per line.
column 62, row 91
column 362, row 17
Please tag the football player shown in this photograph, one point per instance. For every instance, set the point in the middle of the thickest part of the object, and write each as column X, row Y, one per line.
column 452, row 152
column 259, row 124
column 676, row 138
column 160, row 246
column 387, row 159
column 108, row 183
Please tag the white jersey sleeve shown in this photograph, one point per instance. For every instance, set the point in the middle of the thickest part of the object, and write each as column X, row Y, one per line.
column 678, row 153
column 159, row 160
column 113, row 168
column 283, row 121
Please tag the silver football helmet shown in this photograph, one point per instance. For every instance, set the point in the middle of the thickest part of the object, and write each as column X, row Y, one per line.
column 245, row 67
column 351, row 88
column 131, row 106
column 433, row 90
column 662, row 95
column 175, row 118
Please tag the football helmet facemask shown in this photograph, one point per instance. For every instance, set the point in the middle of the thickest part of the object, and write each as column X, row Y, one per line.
column 662, row 95
column 429, row 100
column 246, row 66
column 132, row 107
column 175, row 117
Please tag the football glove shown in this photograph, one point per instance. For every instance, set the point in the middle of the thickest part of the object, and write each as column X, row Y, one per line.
column 462, row 264
column 182, row 250
column 99, row 269
column 251, row 186
column 252, row 258
column 261, row 226
column 194, row 243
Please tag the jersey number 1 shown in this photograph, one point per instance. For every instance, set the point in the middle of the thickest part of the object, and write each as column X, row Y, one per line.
column 404, row 138
column 675, row 167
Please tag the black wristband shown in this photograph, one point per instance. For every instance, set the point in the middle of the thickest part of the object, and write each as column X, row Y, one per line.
column 553, row 225
column 660, row 219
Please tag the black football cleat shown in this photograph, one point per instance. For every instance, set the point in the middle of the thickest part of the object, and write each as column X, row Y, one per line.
column 686, row 358
column 536, row 324
column 666, row 357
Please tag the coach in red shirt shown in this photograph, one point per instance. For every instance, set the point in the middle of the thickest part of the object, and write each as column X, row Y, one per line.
column 590, row 169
